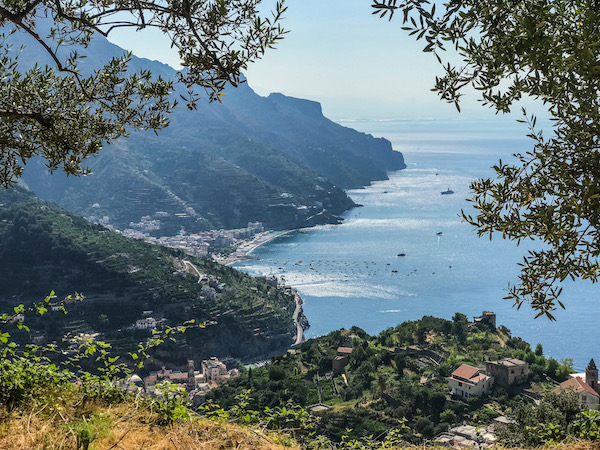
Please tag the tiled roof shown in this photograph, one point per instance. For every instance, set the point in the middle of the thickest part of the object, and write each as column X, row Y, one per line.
column 465, row 372
column 576, row 385
column 344, row 350
column 478, row 378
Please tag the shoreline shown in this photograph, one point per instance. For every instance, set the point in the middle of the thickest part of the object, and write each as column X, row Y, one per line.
column 244, row 251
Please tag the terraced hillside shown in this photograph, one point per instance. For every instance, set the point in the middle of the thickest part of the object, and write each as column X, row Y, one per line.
column 43, row 247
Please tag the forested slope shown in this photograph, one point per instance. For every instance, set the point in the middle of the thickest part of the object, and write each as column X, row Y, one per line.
column 43, row 248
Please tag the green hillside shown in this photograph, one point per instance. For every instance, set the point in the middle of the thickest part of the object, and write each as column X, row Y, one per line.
column 43, row 248
column 398, row 375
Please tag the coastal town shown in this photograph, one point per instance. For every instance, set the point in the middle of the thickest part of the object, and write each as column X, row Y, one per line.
column 196, row 383
column 465, row 383
column 224, row 245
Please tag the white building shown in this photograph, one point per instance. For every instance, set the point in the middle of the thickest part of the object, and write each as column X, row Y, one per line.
column 18, row 318
column 145, row 324
column 467, row 381
column 214, row 370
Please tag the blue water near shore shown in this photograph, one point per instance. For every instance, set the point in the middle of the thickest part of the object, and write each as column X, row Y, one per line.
column 351, row 274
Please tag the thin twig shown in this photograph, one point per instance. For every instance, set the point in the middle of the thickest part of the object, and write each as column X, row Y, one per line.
column 117, row 443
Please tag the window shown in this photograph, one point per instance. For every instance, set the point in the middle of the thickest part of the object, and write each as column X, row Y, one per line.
column 459, row 383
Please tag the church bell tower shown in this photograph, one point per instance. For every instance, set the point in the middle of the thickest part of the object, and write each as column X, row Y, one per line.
column 191, row 380
column 591, row 375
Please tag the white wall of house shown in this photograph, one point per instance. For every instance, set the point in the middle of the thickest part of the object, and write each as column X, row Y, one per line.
column 465, row 390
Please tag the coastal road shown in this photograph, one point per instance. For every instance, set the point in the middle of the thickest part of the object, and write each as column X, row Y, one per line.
column 299, row 330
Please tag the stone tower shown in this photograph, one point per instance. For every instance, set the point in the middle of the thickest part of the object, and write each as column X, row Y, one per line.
column 191, row 380
column 591, row 375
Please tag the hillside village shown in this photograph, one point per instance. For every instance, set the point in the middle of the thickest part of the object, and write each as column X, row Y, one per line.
column 197, row 383
column 350, row 377
column 200, row 244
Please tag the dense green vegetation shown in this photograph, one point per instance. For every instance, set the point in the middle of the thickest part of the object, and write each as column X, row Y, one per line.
column 50, row 249
column 385, row 381
column 383, row 384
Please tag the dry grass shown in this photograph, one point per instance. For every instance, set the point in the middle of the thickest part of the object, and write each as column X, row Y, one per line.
column 578, row 446
column 129, row 428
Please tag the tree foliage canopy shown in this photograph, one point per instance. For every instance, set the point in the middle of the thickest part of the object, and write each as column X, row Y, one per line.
column 65, row 116
column 545, row 50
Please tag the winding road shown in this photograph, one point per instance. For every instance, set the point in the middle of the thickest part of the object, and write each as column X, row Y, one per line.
column 299, row 329
column 189, row 264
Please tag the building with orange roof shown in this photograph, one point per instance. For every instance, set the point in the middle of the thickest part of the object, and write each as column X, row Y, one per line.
column 585, row 385
column 467, row 381
column 588, row 397
column 342, row 359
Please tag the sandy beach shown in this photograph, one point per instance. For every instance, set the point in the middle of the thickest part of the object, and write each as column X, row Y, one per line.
column 244, row 251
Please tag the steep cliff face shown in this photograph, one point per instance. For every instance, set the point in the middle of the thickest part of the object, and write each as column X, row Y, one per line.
column 43, row 248
column 276, row 159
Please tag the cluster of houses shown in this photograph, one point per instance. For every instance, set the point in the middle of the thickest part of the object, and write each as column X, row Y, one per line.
column 202, row 243
column 196, row 382
column 585, row 385
column 467, row 381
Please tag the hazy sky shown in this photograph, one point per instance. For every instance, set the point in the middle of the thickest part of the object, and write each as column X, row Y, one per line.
column 338, row 53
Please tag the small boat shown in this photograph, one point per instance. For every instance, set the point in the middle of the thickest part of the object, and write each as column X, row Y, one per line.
column 394, row 271
column 439, row 233
column 401, row 254
column 448, row 192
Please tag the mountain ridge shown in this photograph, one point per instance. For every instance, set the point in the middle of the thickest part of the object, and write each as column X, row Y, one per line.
column 273, row 159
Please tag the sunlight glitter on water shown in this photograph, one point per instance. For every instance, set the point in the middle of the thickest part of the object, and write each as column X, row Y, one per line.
column 353, row 274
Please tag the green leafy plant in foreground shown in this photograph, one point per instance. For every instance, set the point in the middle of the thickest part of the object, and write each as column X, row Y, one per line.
column 172, row 404
column 88, row 430
column 27, row 372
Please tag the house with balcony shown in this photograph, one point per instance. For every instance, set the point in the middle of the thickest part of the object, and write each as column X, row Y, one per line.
column 467, row 381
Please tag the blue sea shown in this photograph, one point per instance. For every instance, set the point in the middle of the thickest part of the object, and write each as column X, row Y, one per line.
column 351, row 274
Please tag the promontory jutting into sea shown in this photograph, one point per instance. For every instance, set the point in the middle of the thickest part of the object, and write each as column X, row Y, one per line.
column 406, row 253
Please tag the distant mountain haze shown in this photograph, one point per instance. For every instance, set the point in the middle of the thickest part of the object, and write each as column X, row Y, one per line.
column 273, row 159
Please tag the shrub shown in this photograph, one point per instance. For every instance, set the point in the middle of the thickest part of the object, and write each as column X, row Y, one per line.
column 87, row 431
column 22, row 379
